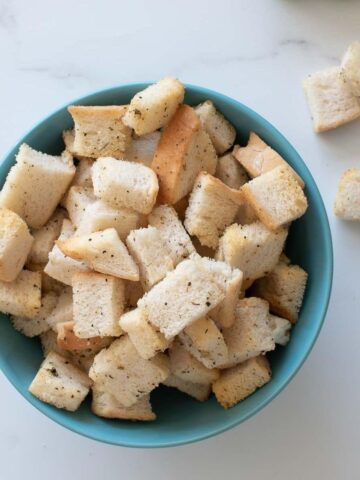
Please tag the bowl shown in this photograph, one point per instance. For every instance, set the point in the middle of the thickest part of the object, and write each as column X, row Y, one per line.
column 181, row 419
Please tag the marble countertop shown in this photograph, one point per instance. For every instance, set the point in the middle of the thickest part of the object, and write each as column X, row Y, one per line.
column 257, row 52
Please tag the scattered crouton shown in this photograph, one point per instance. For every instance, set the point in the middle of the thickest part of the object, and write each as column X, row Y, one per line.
column 230, row 172
column 350, row 68
column 142, row 149
column 67, row 340
column 280, row 328
column 21, row 297
column 37, row 324
column 347, row 203
column 199, row 391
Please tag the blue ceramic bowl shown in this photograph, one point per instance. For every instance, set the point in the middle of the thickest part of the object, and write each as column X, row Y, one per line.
column 180, row 419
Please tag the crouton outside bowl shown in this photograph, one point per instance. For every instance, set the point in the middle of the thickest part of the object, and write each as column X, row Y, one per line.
column 180, row 418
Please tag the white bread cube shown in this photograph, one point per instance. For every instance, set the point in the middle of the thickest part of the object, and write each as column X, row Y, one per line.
column 224, row 313
column 276, row 197
column 60, row 383
column 145, row 338
column 142, row 149
column 67, row 340
column 49, row 344
column 35, row 185
column 205, row 342
column 237, row 383
column 166, row 220
column 68, row 139
column 151, row 255
column 280, row 328
column 186, row 294
column 350, row 68
column 347, row 203
column 45, row 237
column 60, row 267
column 330, row 100
column 15, row 244
column 188, row 368
column 22, row 296
column 63, row 310
column 212, row 208
column 199, row 391
column 254, row 249
column 230, row 172
column 98, row 302
column 251, row 334
column 133, row 293
column 82, row 176
column 120, row 371
column 76, row 201
column 103, row 251
column 153, row 107
column 284, row 289
column 125, row 184
column 220, row 130
column 105, row 405
column 99, row 131
column 37, row 324
column 184, row 150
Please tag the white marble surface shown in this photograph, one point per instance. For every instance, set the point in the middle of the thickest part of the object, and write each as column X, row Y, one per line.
column 258, row 52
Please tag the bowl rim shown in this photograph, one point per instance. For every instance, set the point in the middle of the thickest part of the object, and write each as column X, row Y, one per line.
column 64, row 421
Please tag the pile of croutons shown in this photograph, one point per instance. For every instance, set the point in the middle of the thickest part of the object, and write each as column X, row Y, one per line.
column 150, row 252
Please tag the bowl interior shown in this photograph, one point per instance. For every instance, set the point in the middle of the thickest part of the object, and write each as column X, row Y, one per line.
column 181, row 419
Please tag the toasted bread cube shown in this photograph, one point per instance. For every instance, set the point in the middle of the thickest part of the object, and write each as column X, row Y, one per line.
column 120, row 371
column 151, row 255
column 37, row 324
column 167, row 222
column 212, row 208
column 199, row 391
column 186, row 294
column 284, row 289
column 76, row 201
column 133, row 293
column 350, row 68
column 44, row 238
column 153, row 107
column 188, row 368
column 125, row 184
column 60, row 383
column 68, row 139
column 99, row 301
column 251, row 334
column 224, row 313
column 330, row 100
column 347, row 203
column 105, row 405
column 15, row 244
column 35, row 185
column 103, row 251
column 67, row 340
column 230, row 172
column 184, row 150
column 83, row 359
column 21, row 297
column 100, row 131
column 280, row 329
column 142, row 149
column 60, row 267
column 237, row 383
column 254, row 249
column 49, row 344
column 205, row 342
column 276, row 197
column 63, row 310
column 145, row 338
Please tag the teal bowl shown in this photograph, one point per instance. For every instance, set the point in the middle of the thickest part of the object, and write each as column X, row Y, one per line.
column 181, row 419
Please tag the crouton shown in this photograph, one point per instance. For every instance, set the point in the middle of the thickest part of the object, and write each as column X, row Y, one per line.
column 125, row 184
column 147, row 341
column 67, row 340
column 120, row 371
column 60, row 383
column 284, row 289
column 230, row 172
column 245, row 215
column 199, row 391
column 205, row 342
column 237, row 383
column 183, row 151
column 22, row 296
column 83, row 173
column 105, row 405
column 330, row 100
column 347, row 203
column 133, row 293
column 49, row 344
column 103, row 251
column 142, row 149
column 63, row 310
column 99, row 131
column 83, row 359
column 280, row 328
column 220, row 130
column 254, row 249
column 37, row 324
column 151, row 255
column 35, row 185
column 68, row 139
column 350, row 68
column 76, row 202
column 153, row 107
column 276, row 197
column 224, row 313
column 98, row 302
column 15, row 244
column 258, row 158
column 212, row 208
column 177, row 240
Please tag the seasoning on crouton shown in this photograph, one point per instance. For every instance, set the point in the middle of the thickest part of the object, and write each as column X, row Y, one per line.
column 347, row 203
column 76, row 201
